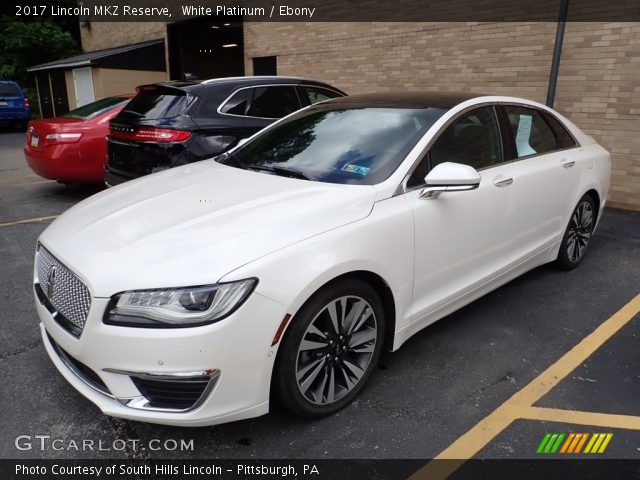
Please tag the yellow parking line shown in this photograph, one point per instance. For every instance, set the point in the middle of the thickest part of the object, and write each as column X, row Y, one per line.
column 28, row 220
column 520, row 404
column 595, row 419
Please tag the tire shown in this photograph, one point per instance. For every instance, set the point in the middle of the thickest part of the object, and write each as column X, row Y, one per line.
column 578, row 234
column 320, row 370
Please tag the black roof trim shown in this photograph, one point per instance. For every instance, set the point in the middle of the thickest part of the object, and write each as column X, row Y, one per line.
column 406, row 99
column 239, row 82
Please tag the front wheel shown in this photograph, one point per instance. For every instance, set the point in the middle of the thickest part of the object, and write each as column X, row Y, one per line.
column 578, row 234
column 330, row 349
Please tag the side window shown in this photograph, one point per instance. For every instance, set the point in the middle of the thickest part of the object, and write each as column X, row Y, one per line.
column 318, row 94
column 273, row 102
column 237, row 104
column 531, row 132
column 563, row 137
column 472, row 139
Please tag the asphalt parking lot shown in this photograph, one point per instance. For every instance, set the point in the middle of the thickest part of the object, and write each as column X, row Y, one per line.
column 487, row 382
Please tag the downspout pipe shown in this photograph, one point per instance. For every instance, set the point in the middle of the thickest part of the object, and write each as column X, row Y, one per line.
column 557, row 52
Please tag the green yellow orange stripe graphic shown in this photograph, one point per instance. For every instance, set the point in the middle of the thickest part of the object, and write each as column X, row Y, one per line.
column 553, row 443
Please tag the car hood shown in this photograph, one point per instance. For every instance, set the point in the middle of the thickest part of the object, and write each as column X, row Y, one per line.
column 192, row 225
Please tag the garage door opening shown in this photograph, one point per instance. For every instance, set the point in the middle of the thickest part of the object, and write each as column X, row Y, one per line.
column 203, row 49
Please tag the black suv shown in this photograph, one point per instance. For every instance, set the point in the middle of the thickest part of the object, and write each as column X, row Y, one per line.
column 174, row 123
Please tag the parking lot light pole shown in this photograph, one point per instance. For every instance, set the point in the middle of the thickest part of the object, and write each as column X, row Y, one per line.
column 557, row 52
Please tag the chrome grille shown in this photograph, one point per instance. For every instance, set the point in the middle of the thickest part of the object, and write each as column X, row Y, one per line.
column 64, row 290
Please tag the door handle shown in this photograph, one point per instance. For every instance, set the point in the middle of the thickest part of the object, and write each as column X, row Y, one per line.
column 566, row 163
column 502, row 181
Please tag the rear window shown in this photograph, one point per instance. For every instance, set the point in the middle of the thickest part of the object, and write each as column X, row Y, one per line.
column 9, row 90
column 237, row 104
column 95, row 108
column 319, row 94
column 153, row 105
column 531, row 133
column 564, row 138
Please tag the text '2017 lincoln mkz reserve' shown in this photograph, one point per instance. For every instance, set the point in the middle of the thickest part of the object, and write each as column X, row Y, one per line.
column 279, row 270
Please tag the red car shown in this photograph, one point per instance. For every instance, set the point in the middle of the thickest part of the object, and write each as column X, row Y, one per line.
column 73, row 147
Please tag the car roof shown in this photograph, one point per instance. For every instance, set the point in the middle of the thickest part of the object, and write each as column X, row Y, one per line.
column 406, row 99
column 234, row 82
column 11, row 82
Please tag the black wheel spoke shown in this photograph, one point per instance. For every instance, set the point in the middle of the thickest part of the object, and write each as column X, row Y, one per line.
column 336, row 350
column 579, row 233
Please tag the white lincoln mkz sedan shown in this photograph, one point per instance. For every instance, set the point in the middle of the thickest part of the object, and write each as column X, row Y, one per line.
column 282, row 268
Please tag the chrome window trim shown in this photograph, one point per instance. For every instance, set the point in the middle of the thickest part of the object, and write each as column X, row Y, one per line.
column 402, row 187
column 340, row 95
column 292, row 85
column 551, row 113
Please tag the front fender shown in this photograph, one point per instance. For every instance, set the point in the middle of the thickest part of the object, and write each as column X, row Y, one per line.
column 382, row 243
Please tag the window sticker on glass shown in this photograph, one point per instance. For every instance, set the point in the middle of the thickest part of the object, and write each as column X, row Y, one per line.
column 523, row 135
column 357, row 169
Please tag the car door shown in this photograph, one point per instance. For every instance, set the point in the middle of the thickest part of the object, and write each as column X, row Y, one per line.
column 463, row 239
column 270, row 103
column 548, row 168
column 220, row 127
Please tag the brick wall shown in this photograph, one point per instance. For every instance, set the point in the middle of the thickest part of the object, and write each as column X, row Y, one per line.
column 598, row 87
column 103, row 35
column 110, row 81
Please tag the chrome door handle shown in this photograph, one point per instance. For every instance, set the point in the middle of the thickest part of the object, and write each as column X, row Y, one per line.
column 502, row 181
column 566, row 163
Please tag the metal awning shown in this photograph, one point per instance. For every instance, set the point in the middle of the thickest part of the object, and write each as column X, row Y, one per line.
column 127, row 57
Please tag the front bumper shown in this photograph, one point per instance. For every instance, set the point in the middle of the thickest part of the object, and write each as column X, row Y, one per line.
column 236, row 352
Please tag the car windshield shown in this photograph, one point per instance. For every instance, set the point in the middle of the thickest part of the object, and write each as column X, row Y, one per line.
column 9, row 90
column 362, row 146
column 95, row 108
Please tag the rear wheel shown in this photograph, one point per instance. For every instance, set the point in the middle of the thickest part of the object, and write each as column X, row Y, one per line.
column 330, row 349
column 578, row 234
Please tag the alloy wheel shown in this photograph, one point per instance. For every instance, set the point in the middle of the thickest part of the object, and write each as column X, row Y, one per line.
column 336, row 350
column 580, row 230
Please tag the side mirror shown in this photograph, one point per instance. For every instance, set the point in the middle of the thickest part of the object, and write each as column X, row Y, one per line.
column 450, row 177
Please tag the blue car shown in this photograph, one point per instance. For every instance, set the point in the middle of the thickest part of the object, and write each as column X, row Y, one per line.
column 14, row 105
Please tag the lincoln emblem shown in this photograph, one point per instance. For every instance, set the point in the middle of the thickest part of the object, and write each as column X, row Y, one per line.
column 51, row 281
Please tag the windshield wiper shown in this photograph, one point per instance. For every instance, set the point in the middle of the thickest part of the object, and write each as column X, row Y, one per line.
column 282, row 171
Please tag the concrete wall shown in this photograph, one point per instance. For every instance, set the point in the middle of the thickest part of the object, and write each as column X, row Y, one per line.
column 71, row 89
column 103, row 35
column 108, row 81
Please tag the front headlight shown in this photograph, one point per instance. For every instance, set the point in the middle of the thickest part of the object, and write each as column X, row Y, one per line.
column 178, row 307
